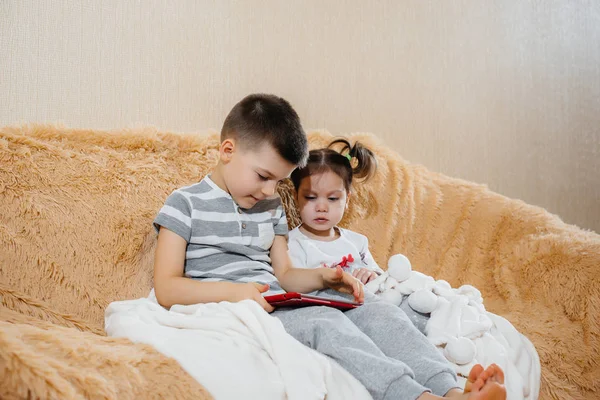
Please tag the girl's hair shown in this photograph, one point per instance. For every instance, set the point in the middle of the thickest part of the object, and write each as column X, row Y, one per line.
column 349, row 162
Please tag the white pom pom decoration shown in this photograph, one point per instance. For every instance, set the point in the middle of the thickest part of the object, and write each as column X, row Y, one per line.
column 392, row 296
column 423, row 301
column 376, row 284
column 399, row 267
column 471, row 292
column 443, row 288
column 460, row 350
column 390, row 283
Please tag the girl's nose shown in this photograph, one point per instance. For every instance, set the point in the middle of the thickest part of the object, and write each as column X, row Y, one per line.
column 322, row 206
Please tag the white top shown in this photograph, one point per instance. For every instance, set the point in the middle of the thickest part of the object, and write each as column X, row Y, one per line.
column 310, row 253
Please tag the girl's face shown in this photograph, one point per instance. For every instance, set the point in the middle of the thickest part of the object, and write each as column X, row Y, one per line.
column 322, row 200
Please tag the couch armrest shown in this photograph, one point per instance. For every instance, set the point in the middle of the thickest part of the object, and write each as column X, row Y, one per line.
column 551, row 279
column 63, row 363
column 540, row 273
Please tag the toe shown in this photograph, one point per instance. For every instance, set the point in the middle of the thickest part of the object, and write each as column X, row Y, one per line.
column 498, row 375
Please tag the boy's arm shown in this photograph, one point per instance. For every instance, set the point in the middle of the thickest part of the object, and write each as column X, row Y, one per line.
column 171, row 287
column 308, row 280
column 297, row 254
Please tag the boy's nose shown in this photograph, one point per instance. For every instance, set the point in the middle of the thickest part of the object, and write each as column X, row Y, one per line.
column 269, row 188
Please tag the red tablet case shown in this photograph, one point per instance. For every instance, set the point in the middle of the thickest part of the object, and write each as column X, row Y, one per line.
column 293, row 299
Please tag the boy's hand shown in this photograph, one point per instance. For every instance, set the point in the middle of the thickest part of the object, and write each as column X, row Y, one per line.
column 364, row 275
column 343, row 282
column 253, row 291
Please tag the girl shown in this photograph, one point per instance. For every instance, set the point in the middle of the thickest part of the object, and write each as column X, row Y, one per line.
column 405, row 364
column 322, row 194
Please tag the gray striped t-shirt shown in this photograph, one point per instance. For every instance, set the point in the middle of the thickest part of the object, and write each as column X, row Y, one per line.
column 225, row 242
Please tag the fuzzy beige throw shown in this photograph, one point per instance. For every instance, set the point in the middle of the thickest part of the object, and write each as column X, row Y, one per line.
column 75, row 234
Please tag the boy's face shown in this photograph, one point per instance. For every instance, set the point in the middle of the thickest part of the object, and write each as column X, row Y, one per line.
column 322, row 200
column 251, row 175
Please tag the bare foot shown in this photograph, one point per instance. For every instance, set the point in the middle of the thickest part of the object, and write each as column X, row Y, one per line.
column 493, row 372
column 473, row 375
column 488, row 385
column 481, row 384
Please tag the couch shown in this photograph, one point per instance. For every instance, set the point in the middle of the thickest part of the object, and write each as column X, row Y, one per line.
column 76, row 234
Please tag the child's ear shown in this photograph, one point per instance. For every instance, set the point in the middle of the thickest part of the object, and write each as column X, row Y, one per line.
column 226, row 150
column 348, row 198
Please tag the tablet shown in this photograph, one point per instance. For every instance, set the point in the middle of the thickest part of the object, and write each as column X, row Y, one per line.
column 293, row 299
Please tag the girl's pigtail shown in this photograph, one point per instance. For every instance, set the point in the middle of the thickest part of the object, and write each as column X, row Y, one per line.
column 365, row 166
column 362, row 161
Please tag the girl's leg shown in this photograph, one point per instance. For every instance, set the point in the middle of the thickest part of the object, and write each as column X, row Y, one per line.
column 330, row 332
column 392, row 331
column 418, row 319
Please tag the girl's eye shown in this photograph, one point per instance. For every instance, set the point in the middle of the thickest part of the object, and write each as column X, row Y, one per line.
column 333, row 199
column 262, row 178
column 309, row 197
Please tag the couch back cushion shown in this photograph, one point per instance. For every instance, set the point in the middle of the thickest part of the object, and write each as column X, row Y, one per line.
column 77, row 209
column 75, row 228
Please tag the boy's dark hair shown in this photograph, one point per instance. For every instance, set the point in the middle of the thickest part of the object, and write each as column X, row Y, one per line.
column 260, row 118
column 349, row 162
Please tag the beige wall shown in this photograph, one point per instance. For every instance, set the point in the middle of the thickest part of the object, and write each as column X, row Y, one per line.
column 504, row 93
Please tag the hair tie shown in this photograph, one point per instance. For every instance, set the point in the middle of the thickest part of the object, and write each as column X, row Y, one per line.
column 349, row 157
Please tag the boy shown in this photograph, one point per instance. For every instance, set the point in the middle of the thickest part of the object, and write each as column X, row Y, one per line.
column 228, row 234
column 228, row 231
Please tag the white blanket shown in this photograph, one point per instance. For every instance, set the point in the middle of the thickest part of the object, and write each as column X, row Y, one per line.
column 462, row 329
column 236, row 350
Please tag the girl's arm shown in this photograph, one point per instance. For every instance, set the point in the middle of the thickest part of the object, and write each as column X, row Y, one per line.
column 304, row 280
column 367, row 257
column 371, row 269
column 172, row 287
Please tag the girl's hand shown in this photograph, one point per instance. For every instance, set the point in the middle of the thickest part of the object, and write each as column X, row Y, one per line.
column 364, row 275
column 341, row 281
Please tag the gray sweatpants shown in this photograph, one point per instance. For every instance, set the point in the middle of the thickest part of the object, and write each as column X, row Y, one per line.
column 377, row 343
